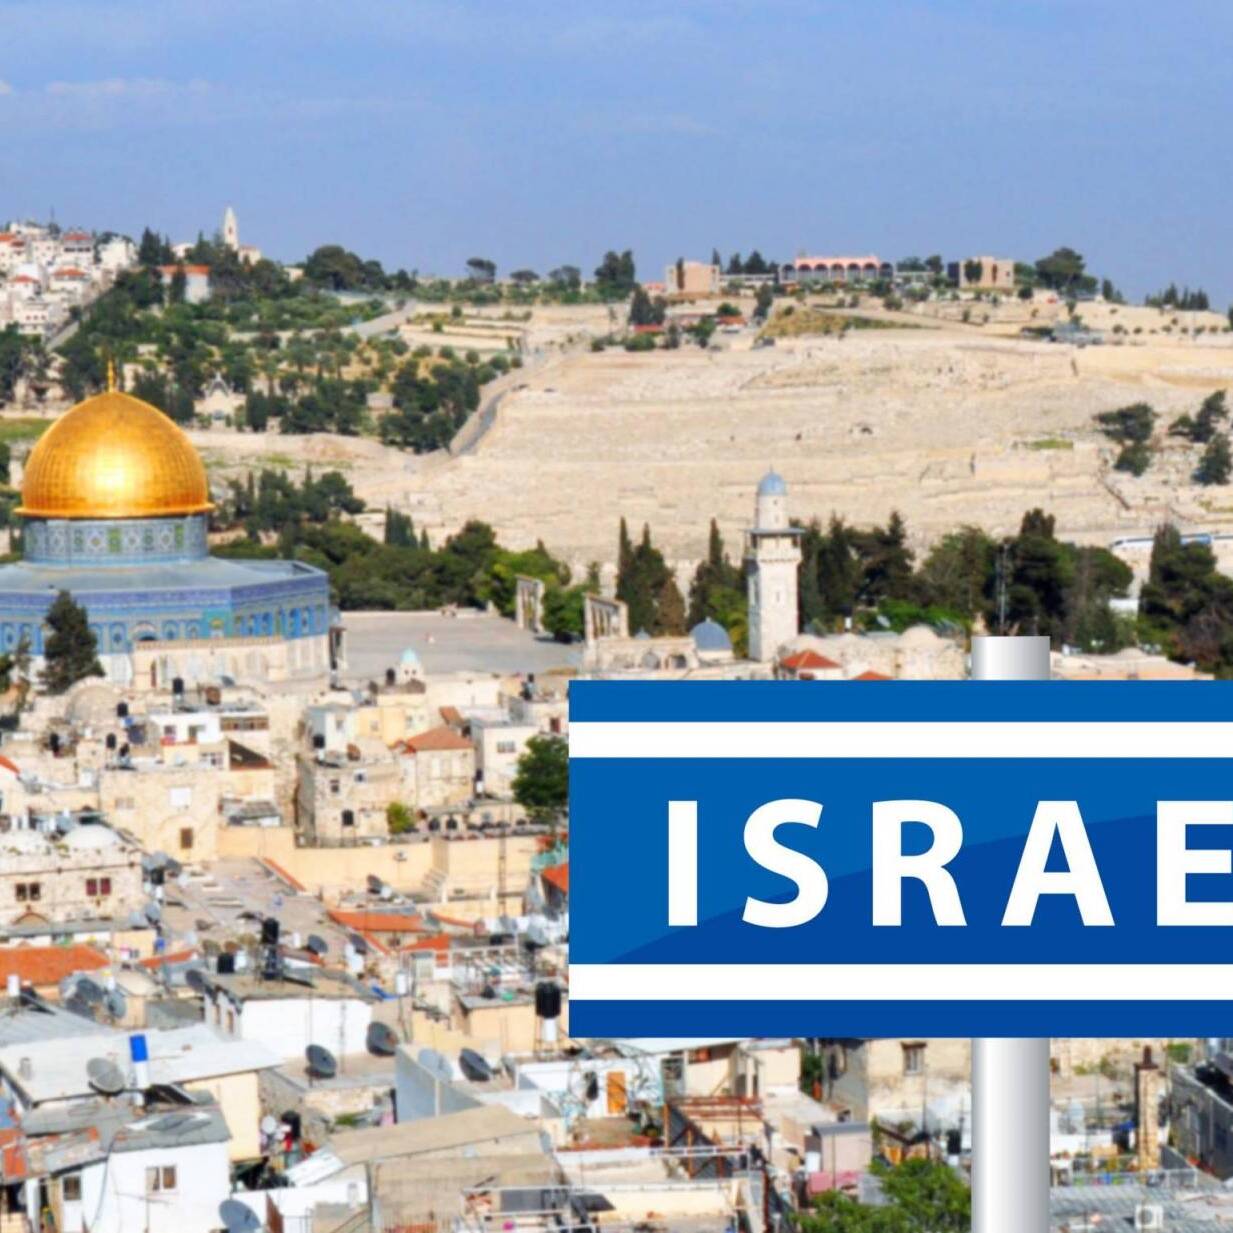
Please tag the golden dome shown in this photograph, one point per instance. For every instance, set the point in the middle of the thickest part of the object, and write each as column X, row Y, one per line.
column 113, row 456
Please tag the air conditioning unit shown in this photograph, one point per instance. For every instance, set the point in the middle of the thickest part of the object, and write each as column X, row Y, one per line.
column 1149, row 1217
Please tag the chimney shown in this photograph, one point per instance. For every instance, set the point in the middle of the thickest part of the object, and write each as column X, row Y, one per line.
column 1147, row 1101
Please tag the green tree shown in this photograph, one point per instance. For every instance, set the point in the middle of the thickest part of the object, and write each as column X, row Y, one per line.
column 70, row 651
column 920, row 1196
column 640, row 583
column 1063, row 270
column 614, row 276
column 1214, row 466
column 399, row 818
column 541, row 782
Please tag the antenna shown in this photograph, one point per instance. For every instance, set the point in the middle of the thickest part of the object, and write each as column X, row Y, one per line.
column 105, row 1076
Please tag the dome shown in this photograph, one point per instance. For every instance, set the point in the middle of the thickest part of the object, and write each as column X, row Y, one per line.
column 709, row 635
column 772, row 485
column 93, row 703
column 409, row 657
column 113, row 456
column 91, row 839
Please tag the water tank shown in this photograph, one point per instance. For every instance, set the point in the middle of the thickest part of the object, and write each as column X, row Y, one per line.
column 548, row 999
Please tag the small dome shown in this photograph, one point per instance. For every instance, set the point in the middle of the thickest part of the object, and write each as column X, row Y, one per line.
column 772, row 485
column 709, row 635
column 91, row 838
column 409, row 657
column 642, row 636
column 93, row 703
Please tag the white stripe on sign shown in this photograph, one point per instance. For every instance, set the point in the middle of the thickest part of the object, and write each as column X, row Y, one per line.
column 901, row 982
column 959, row 739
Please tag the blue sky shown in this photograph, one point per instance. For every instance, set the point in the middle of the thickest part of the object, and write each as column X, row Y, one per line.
column 537, row 132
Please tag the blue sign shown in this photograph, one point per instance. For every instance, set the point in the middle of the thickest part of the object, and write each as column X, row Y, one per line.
column 909, row 858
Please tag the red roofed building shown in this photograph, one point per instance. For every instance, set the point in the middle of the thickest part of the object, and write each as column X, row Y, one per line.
column 809, row 665
column 443, row 764
column 42, row 968
column 196, row 281
column 870, row 675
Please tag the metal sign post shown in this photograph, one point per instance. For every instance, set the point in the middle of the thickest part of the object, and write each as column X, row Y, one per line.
column 1010, row 1076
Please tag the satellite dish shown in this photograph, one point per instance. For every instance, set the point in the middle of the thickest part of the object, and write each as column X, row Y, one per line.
column 115, row 1003
column 358, row 944
column 173, row 866
column 374, row 884
column 105, row 1076
column 238, row 1217
column 437, row 1065
column 269, row 1125
column 474, row 1066
column 321, row 1063
column 90, row 991
column 381, row 1040
column 153, row 912
column 196, row 980
column 78, row 1007
column 317, row 945
column 137, row 920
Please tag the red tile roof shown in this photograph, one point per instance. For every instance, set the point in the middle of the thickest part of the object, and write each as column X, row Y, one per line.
column 558, row 876
column 870, row 675
column 175, row 956
column 808, row 660
column 436, row 739
column 169, row 270
column 48, row 965
column 9, row 765
column 379, row 922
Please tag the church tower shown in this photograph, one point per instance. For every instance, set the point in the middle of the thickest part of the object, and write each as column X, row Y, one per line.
column 772, row 554
column 231, row 230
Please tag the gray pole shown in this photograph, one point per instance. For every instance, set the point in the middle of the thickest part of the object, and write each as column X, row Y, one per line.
column 1010, row 1077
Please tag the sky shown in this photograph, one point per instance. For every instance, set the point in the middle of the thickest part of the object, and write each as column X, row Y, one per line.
column 542, row 132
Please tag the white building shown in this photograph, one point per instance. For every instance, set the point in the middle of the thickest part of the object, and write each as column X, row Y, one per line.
column 287, row 1016
column 772, row 555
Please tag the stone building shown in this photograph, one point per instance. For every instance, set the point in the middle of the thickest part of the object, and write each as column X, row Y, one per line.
column 343, row 797
column 994, row 274
column 89, row 873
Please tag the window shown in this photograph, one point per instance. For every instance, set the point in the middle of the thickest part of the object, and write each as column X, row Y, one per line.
column 29, row 892
column 186, row 838
column 96, row 887
column 506, row 747
column 161, row 1179
column 70, row 1188
column 914, row 1059
column 124, row 802
column 333, row 787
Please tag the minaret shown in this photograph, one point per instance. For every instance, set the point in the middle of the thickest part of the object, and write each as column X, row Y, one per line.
column 772, row 554
column 231, row 230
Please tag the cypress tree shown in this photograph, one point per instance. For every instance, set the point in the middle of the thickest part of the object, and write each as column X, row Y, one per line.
column 71, row 650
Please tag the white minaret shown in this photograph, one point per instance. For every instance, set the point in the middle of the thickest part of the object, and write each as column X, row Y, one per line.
column 772, row 554
column 231, row 230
